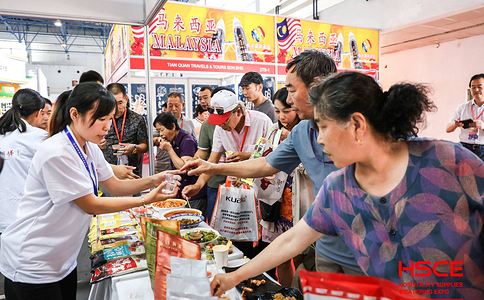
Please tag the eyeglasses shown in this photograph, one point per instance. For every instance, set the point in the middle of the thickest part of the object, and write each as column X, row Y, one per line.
column 219, row 110
column 312, row 133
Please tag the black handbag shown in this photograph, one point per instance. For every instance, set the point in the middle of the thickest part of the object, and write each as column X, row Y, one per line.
column 270, row 213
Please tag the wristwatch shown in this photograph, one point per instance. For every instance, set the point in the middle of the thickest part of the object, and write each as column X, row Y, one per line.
column 135, row 149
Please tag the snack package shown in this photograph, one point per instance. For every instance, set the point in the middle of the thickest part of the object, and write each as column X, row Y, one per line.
column 131, row 249
column 113, row 220
column 333, row 286
column 168, row 224
column 119, row 267
column 151, row 241
column 180, row 296
column 188, row 267
column 188, row 285
column 169, row 245
column 114, row 242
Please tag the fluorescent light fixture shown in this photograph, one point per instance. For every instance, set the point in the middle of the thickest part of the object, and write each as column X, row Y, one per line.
column 58, row 23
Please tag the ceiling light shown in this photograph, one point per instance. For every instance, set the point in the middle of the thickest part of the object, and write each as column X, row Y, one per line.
column 58, row 23
column 64, row 45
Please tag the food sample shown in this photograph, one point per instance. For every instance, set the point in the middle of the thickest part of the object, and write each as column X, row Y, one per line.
column 169, row 203
column 200, row 236
column 257, row 282
column 185, row 221
column 280, row 296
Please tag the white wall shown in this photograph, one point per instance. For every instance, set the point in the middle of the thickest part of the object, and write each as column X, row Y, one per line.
column 446, row 69
column 53, row 62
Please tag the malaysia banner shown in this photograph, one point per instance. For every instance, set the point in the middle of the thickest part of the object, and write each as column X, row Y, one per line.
column 287, row 32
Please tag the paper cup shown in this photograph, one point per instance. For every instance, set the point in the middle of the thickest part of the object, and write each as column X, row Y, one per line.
column 221, row 256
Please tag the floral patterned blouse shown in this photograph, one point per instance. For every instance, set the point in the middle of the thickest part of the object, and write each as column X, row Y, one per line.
column 435, row 214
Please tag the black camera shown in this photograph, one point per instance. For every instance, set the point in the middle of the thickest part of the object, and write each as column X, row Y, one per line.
column 467, row 123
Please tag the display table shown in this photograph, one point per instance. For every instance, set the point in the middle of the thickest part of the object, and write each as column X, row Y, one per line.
column 137, row 285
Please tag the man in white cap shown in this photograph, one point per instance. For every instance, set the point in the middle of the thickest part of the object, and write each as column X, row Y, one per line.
column 237, row 133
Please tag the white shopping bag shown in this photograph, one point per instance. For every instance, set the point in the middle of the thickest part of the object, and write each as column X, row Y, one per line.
column 236, row 213
column 269, row 189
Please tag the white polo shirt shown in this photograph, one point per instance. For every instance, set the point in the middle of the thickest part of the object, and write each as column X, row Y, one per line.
column 256, row 123
column 42, row 245
column 464, row 112
column 18, row 149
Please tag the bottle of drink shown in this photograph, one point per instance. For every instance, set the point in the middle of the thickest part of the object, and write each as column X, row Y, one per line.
column 241, row 42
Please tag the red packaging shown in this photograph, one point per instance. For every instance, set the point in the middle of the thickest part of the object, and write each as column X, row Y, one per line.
column 326, row 286
column 171, row 245
column 119, row 267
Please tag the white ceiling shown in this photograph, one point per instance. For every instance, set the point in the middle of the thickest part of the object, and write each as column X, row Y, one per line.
column 446, row 28
column 133, row 12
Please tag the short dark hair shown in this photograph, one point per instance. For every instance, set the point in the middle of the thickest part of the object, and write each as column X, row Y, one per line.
column 165, row 105
column 475, row 77
column 47, row 101
column 91, row 75
column 251, row 77
column 175, row 95
column 393, row 114
column 222, row 88
column 116, row 88
column 312, row 64
column 206, row 88
column 200, row 109
column 168, row 120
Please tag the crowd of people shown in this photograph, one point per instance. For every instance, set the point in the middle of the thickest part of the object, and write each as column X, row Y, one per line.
column 382, row 196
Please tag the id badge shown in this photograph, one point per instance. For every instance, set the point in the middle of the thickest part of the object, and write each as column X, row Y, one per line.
column 123, row 160
column 473, row 133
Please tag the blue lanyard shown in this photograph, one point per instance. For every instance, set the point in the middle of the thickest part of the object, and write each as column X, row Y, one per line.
column 74, row 144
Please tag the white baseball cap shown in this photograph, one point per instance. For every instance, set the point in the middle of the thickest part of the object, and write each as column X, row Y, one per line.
column 221, row 105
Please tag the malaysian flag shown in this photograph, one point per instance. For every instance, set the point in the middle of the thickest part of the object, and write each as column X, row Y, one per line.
column 138, row 31
column 286, row 32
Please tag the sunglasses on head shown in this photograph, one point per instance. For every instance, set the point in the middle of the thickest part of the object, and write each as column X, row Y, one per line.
column 219, row 110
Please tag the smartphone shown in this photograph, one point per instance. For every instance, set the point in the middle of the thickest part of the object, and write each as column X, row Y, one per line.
column 467, row 123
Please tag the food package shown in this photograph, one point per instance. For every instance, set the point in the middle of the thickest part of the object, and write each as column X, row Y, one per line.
column 333, row 286
column 151, row 238
column 134, row 247
column 168, row 224
column 188, row 267
column 119, row 267
column 169, row 245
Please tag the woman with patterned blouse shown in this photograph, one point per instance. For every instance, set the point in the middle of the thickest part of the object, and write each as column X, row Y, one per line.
column 397, row 200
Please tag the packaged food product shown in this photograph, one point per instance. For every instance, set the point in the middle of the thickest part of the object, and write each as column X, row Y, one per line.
column 119, row 267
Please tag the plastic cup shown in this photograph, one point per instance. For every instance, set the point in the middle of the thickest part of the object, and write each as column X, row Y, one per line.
column 118, row 152
column 221, row 255
column 169, row 188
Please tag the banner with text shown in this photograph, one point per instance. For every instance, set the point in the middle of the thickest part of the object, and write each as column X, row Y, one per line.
column 351, row 48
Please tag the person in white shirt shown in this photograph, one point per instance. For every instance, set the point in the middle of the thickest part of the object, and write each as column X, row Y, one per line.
column 20, row 138
column 237, row 133
column 39, row 249
column 46, row 112
column 202, row 115
column 469, row 118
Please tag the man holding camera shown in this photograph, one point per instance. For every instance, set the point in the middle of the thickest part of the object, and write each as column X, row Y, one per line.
column 469, row 118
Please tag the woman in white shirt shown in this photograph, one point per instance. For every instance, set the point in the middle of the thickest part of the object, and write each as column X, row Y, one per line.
column 19, row 140
column 39, row 249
